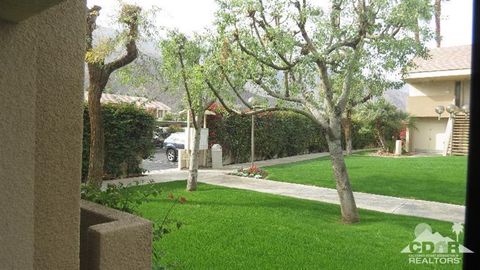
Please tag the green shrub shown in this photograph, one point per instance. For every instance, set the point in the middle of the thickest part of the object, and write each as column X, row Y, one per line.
column 385, row 121
column 128, row 198
column 125, row 198
column 174, row 129
column 128, row 139
column 277, row 134
column 168, row 116
column 362, row 138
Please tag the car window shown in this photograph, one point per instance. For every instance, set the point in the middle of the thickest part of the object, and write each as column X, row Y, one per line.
column 176, row 138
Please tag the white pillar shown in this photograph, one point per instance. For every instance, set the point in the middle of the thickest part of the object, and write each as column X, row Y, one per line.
column 217, row 161
column 398, row 147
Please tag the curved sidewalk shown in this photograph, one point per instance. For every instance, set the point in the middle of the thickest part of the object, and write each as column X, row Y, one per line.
column 380, row 203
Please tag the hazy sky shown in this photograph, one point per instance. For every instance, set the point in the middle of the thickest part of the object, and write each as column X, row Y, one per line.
column 195, row 15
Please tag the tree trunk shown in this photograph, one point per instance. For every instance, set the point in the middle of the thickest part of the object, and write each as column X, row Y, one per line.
column 347, row 131
column 438, row 13
column 417, row 32
column 97, row 137
column 347, row 201
column 99, row 72
column 382, row 141
column 194, row 156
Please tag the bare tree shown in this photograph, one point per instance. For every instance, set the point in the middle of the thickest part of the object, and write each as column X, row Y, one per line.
column 182, row 68
column 99, row 73
column 309, row 59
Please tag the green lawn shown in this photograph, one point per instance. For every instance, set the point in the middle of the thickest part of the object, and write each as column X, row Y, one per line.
column 441, row 179
column 236, row 229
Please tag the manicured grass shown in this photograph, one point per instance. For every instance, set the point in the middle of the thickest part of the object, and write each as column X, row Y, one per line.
column 441, row 179
column 236, row 229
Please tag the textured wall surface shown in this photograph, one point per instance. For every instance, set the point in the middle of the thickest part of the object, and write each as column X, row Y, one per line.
column 429, row 134
column 114, row 240
column 18, row 10
column 41, row 95
column 17, row 144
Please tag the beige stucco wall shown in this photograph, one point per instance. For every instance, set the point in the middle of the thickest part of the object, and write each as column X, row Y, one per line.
column 424, row 96
column 114, row 240
column 17, row 146
column 41, row 96
column 429, row 135
column 19, row 10
column 432, row 88
column 466, row 92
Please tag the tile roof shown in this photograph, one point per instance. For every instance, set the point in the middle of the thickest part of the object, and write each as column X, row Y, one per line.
column 141, row 101
column 447, row 58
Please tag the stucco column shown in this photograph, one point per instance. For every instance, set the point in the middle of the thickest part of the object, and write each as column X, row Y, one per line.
column 408, row 143
column 41, row 96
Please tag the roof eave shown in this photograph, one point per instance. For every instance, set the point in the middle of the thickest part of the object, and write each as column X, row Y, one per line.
column 438, row 74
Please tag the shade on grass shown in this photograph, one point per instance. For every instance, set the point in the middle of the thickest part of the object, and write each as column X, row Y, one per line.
column 236, row 229
column 441, row 179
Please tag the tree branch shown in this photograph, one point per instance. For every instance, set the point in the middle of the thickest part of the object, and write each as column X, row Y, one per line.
column 253, row 112
column 363, row 100
column 185, row 83
column 264, row 25
column 347, row 82
column 229, row 82
column 272, row 93
column 257, row 57
column 92, row 15
column 130, row 16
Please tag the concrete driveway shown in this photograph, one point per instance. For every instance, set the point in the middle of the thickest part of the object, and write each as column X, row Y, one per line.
column 159, row 162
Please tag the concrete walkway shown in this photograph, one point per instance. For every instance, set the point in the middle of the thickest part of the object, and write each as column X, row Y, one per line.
column 287, row 160
column 380, row 203
column 277, row 161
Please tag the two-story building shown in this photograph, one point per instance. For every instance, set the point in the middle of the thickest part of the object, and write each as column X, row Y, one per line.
column 435, row 83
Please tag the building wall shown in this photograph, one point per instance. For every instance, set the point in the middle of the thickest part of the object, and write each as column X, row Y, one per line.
column 423, row 97
column 432, row 88
column 41, row 85
column 429, row 135
column 466, row 92
column 17, row 145
column 113, row 240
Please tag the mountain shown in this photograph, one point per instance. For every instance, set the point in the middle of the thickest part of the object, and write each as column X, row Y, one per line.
column 146, row 64
column 397, row 97
column 154, row 88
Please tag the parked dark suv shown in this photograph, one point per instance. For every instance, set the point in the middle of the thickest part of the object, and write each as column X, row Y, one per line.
column 172, row 143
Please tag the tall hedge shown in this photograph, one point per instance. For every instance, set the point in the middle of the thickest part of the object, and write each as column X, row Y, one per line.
column 128, row 139
column 277, row 134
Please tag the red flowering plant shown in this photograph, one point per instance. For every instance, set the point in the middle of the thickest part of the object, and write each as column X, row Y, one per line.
column 403, row 137
column 253, row 171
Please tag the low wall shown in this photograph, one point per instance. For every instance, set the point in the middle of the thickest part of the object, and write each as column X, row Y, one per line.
column 204, row 159
column 111, row 239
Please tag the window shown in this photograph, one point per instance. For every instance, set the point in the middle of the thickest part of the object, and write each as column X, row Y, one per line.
column 458, row 93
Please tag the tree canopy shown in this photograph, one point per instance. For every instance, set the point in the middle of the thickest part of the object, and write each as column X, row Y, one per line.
column 317, row 57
